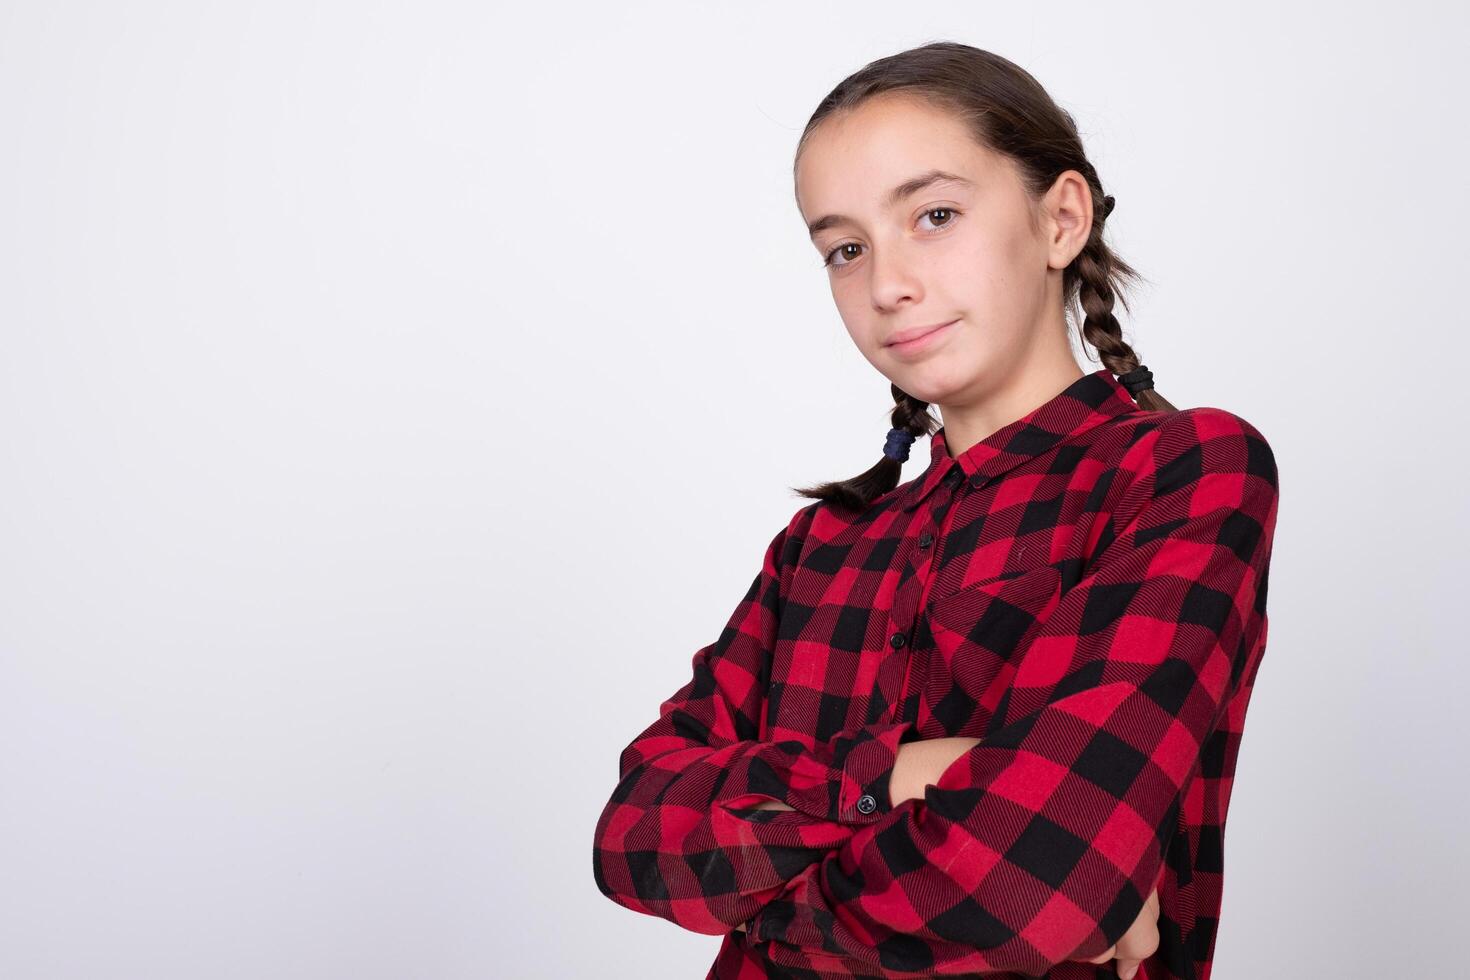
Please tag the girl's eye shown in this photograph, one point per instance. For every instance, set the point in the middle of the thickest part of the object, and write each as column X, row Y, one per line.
column 944, row 211
column 832, row 254
column 947, row 216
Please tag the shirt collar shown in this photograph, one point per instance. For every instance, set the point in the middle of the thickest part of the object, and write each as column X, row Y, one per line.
column 1084, row 404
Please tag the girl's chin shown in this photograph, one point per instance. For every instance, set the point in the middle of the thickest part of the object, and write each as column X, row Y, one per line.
column 925, row 382
column 928, row 395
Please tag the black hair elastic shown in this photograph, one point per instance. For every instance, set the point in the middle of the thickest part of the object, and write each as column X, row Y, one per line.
column 1139, row 379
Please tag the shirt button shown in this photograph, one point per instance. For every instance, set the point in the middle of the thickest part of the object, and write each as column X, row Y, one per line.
column 897, row 640
column 954, row 476
column 926, row 539
column 866, row 804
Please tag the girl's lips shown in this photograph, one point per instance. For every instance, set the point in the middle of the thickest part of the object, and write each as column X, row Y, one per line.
column 922, row 342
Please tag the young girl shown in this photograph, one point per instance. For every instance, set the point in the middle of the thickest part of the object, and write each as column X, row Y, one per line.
column 984, row 722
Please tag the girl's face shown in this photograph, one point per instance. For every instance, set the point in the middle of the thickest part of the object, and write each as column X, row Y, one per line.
column 923, row 228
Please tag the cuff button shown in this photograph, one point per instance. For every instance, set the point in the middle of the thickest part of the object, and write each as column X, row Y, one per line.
column 866, row 803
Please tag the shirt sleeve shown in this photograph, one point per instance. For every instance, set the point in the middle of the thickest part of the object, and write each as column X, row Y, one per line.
column 1040, row 844
column 681, row 838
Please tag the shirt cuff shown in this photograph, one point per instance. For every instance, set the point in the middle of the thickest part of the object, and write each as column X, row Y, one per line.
column 866, row 759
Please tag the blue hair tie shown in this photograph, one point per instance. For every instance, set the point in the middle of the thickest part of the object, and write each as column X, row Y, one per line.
column 897, row 446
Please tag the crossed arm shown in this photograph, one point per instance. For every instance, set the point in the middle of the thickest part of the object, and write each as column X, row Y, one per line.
column 922, row 763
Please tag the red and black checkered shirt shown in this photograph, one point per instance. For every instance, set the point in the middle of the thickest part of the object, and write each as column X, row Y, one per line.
column 1085, row 591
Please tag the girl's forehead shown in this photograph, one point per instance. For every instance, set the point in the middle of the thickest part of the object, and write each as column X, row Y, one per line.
column 883, row 141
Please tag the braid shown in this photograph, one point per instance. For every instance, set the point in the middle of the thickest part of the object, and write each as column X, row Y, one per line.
column 910, row 415
column 1094, row 272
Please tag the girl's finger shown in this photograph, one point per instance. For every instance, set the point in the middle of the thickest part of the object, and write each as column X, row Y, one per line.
column 1126, row 968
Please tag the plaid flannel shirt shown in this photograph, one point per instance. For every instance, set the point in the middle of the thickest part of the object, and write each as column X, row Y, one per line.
column 1085, row 592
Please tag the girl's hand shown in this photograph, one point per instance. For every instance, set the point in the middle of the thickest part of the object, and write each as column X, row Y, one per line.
column 1138, row 943
column 920, row 763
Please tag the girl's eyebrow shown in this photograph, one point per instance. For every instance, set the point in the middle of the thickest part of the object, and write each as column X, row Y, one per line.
column 911, row 186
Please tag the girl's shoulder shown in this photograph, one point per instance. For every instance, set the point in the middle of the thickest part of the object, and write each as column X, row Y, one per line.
column 1205, row 421
column 1189, row 442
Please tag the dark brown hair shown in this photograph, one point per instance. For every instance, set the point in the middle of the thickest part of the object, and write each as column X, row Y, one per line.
column 1009, row 112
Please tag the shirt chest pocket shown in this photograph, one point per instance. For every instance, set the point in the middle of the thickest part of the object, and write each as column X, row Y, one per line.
column 978, row 634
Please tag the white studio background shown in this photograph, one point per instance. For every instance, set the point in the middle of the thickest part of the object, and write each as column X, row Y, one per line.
column 394, row 396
